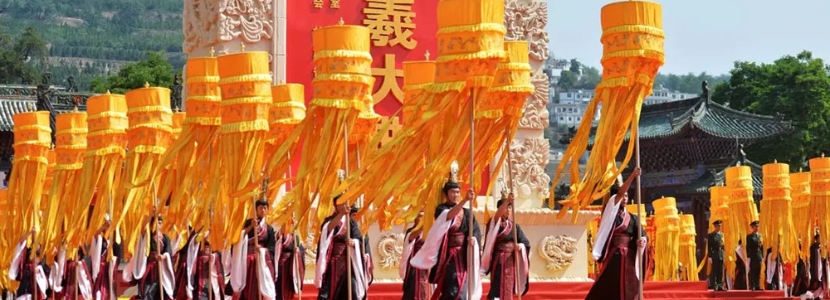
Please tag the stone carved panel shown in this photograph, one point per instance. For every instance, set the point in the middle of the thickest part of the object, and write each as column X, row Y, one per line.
column 310, row 250
column 208, row 22
column 390, row 249
column 536, row 115
column 526, row 20
column 529, row 158
column 200, row 18
column 250, row 20
column 558, row 251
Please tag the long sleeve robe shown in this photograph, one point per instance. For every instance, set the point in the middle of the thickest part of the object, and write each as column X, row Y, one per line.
column 415, row 281
column 499, row 259
column 290, row 267
column 445, row 254
column 617, row 247
column 32, row 277
column 143, row 268
column 330, row 276
column 251, row 282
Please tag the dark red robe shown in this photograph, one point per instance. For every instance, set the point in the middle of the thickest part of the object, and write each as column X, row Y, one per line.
column 618, row 277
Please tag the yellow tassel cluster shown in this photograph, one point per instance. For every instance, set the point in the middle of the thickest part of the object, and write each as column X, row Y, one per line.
column 667, row 244
column 801, row 212
column 820, row 199
column 742, row 209
column 686, row 254
column 70, row 145
column 632, row 41
column 778, row 231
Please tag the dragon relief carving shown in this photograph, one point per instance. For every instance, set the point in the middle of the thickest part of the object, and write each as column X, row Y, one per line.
column 529, row 158
column 558, row 251
column 199, row 29
column 536, row 115
column 250, row 20
column 390, row 249
column 526, row 20
column 310, row 252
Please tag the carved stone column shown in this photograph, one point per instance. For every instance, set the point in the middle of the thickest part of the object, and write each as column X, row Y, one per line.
column 225, row 25
column 526, row 20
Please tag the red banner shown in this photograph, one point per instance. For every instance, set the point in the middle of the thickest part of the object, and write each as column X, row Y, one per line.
column 401, row 30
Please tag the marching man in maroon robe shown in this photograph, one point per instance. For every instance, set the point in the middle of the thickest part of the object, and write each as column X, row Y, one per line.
column 500, row 254
column 252, row 273
column 204, row 278
column 448, row 244
column 290, row 265
column 143, row 268
column 618, row 248
column 416, row 284
column 31, row 273
column 102, row 269
column 69, row 279
column 331, row 274
column 180, row 267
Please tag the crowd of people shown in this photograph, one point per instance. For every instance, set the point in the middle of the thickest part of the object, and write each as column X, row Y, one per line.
column 268, row 263
column 810, row 276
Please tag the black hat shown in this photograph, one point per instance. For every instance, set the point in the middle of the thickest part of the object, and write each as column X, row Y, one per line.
column 353, row 209
column 261, row 203
column 717, row 222
column 754, row 223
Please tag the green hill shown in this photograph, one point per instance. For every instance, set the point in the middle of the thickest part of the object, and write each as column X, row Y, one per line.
column 88, row 38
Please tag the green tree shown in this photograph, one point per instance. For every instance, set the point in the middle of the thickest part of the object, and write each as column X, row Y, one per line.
column 16, row 64
column 154, row 70
column 576, row 67
column 590, row 78
column 797, row 87
column 567, row 80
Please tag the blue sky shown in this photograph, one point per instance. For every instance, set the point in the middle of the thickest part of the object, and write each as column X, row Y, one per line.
column 703, row 35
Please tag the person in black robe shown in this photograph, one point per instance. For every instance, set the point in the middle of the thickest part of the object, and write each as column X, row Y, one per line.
column 207, row 276
column 801, row 283
column 773, row 283
column 333, row 280
column 816, row 266
column 415, row 281
column 180, row 265
column 290, row 258
column 451, row 272
column 266, row 239
column 740, row 270
column 23, row 270
column 618, row 278
column 505, row 253
column 368, row 261
column 149, row 287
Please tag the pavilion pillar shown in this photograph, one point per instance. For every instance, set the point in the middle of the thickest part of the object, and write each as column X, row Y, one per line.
column 525, row 20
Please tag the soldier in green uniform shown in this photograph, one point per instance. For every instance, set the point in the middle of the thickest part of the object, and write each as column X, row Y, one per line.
column 755, row 254
column 716, row 254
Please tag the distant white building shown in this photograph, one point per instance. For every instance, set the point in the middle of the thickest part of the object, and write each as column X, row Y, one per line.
column 662, row 95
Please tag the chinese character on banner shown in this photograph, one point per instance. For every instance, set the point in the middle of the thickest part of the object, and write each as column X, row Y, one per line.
column 317, row 3
column 335, row 4
column 390, row 22
column 389, row 75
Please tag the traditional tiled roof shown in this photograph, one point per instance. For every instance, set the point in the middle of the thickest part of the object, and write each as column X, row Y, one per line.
column 702, row 184
column 8, row 108
column 668, row 119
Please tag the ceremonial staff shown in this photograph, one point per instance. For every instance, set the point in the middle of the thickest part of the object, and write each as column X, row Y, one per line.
column 159, row 244
column 470, row 248
column 516, row 268
column 296, row 241
column 639, row 208
column 256, row 236
column 348, row 217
